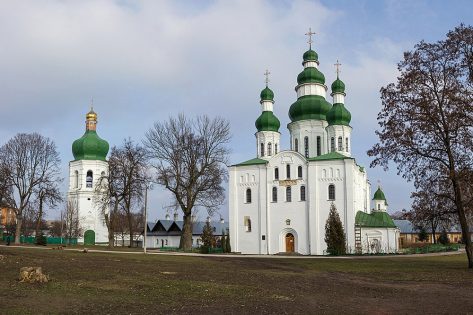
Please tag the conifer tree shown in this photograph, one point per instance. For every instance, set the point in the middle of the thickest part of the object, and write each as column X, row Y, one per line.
column 228, row 246
column 334, row 233
column 223, row 242
column 207, row 238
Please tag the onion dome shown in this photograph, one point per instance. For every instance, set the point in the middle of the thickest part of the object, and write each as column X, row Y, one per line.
column 310, row 55
column 311, row 75
column 379, row 195
column 338, row 86
column 309, row 107
column 90, row 146
column 267, row 121
column 338, row 115
column 267, row 94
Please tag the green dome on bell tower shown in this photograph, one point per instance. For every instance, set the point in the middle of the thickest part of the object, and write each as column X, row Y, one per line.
column 90, row 146
column 267, row 121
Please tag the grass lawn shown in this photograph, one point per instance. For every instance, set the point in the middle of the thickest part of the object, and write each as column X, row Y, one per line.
column 118, row 283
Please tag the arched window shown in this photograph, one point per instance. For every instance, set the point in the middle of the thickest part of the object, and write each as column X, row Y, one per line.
column 296, row 145
column 276, row 173
column 319, row 146
column 288, row 171
column 89, row 179
column 302, row 193
column 247, row 223
column 275, row 148
column 346, row 144
column 306, row 146
column 275, row 194
column 332, row 144
column 76, row 179
column 340, row 144
column 379, row 206
column 248, row 195
column 288, row 193
column 299, row 171
column 269, row 149
column 262, row 149
column 331, row 192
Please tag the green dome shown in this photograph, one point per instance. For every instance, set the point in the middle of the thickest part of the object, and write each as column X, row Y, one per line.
column 267, row 122
column 311, row 75
column 309, row 107
column 338, row 115
column 90, row 147
column 310, row 55
column 338, row 86
column 379, row 195
column 267, row 94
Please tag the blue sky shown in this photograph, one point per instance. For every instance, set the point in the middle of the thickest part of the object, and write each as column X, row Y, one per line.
column 142, row 61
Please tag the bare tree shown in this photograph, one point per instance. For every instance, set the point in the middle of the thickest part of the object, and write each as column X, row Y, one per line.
column 46, row 194
column 72, row 220
column 123, row 187
column 430, row 207
column 190, row 158
column 27, row 161
column 427, row 119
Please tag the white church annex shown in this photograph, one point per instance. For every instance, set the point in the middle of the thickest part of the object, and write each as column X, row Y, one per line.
column 90, row 153
column 279, row 201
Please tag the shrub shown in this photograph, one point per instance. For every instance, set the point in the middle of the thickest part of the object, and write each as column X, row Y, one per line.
column 443, row 238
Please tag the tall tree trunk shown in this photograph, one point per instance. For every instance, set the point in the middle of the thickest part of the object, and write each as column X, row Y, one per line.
column 463, row 222
column 40, row 218
column 186, row 236
column 130, row 228
column 433, row 227
column 19, row 221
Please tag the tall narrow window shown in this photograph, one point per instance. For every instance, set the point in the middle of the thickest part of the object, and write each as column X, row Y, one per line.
column 346, row 144
column 248, row 195
column 269, row 149
column 288, row 171
column 302, row 193
column 340, row 144
column 276, row 173
column 306, row 147
column 275, row 194
column 288, row 193
column 296, row 145
column 319, row 146
column 247, row 223
column 89, row 179
column 331, row 192
column 332, row 144
column 275, row 148
column 76, row 179
column 262, row 149
column 299, row 171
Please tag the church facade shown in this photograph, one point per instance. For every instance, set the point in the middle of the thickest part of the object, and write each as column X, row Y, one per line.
column 89, row 164
column 279, row 201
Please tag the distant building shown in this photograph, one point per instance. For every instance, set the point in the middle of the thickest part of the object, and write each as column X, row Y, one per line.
column 7, row 217
column 410, row 233
column 167, row 233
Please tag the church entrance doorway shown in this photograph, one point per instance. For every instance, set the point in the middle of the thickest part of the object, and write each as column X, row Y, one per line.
column 289, row 243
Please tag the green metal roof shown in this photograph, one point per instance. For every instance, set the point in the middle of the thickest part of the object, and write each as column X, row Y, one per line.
column 379, row 195
column 267, row 94
column 254, row 161
column 309, row 107
column 375, row 219
column 329, row 156
column 90, row 147
column 310, row 55
column 267, row 121
column 338, row 115
column 338, row 86
column 311, row 75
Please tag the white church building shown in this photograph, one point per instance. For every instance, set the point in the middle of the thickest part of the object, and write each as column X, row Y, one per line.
column 90, row 153
column 279, row 201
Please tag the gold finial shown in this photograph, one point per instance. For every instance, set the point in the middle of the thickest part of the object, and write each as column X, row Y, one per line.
column 337, row 66
column 266, row 74
column 310, row 33
column 91, row 115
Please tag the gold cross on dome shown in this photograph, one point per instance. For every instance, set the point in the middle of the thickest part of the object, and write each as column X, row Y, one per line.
column 337, row 66
column 310, row 33
column 266, row 74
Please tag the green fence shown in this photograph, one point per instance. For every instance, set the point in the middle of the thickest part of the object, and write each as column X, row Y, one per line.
column 49, row 240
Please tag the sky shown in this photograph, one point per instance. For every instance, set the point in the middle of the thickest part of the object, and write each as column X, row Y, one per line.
column 144, row 61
